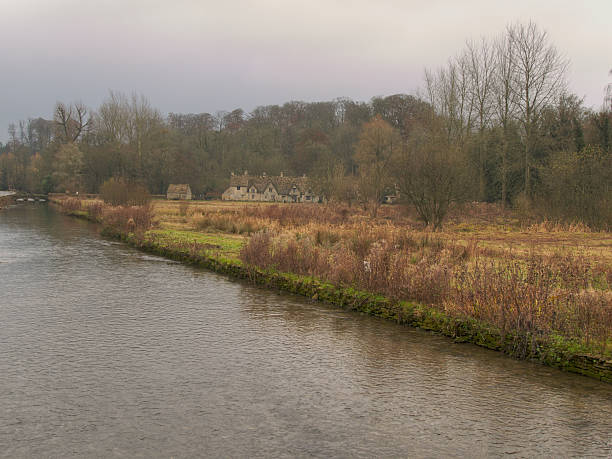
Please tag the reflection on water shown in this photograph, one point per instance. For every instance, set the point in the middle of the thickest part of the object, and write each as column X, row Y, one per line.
column 106, row 351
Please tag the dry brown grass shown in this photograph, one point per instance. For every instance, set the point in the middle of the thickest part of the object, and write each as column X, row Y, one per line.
column 126, row 219
column 539, row 296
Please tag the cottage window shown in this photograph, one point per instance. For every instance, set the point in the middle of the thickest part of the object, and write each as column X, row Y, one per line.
column 237, row 187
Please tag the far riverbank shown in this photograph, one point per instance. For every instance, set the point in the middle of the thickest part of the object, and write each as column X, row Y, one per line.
column 6, row 198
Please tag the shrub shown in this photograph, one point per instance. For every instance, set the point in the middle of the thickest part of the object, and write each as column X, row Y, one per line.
column 133, row 219
column 117, row 192
column 71, row 204
column 257, row 251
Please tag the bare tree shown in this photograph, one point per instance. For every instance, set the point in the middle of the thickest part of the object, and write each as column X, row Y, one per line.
column 112, row 121
column 430, row 172
column 143, row 121
column 448, row 93
column 504, row 103
column 538, row 80
column 71, row 121
column 480, row 59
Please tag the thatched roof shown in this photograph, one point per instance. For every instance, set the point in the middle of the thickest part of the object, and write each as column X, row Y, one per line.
column 239, row 180
column 181, row 188
column 283, row 184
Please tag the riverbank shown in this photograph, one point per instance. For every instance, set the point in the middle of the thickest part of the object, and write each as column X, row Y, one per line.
column 221, row 252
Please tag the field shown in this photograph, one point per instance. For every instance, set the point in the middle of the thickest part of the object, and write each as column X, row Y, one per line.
column 483, row 224
column 541, row 281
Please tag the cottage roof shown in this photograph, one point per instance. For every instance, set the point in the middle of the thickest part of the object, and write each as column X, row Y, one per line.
column 260, row 183
column 179, row 188
column 239, row 180
column 282, row 184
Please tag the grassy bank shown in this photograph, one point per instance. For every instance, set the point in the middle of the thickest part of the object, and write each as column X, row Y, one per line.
column 543, row 304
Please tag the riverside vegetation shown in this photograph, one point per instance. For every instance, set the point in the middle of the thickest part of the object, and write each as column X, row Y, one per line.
column 533, row 290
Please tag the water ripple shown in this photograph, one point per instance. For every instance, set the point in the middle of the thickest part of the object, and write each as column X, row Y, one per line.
column 107, row 352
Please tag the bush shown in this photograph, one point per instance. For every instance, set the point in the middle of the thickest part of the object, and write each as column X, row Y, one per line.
column 134, row 219
column 118, row 192
column 71, row 204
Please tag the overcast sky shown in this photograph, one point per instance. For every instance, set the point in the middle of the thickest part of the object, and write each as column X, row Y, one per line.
column 193, row 56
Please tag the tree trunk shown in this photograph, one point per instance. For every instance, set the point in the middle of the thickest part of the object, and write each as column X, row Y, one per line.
column 528, row 162
column 504, row 171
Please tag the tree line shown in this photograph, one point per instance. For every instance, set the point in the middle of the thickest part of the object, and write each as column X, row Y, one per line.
column 496, row 123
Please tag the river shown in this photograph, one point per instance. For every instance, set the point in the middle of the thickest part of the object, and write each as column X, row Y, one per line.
column 109, row 352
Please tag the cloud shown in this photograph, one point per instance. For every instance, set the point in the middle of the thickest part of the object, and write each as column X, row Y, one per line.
column 204, row 56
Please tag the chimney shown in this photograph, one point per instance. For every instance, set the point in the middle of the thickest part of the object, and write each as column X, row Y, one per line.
column 232, row 174
column 281, row 173
column 246, row 172
column 263, row 174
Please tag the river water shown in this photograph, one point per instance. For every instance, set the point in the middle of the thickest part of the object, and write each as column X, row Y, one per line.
column 109, row 352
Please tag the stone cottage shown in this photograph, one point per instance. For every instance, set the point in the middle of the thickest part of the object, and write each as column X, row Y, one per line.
column 179, row 191
column 270, row 189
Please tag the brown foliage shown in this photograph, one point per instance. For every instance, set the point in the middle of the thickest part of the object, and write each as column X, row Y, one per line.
column 70, row 204
column 120, row 193
column 133, row 219
column 288, row 215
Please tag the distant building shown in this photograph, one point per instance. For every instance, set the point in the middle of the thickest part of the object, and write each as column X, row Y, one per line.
column 270, row 189
column 393, row 195
column 180, row 191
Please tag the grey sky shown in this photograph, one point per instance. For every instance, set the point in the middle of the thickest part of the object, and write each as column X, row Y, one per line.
column 204, row 56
